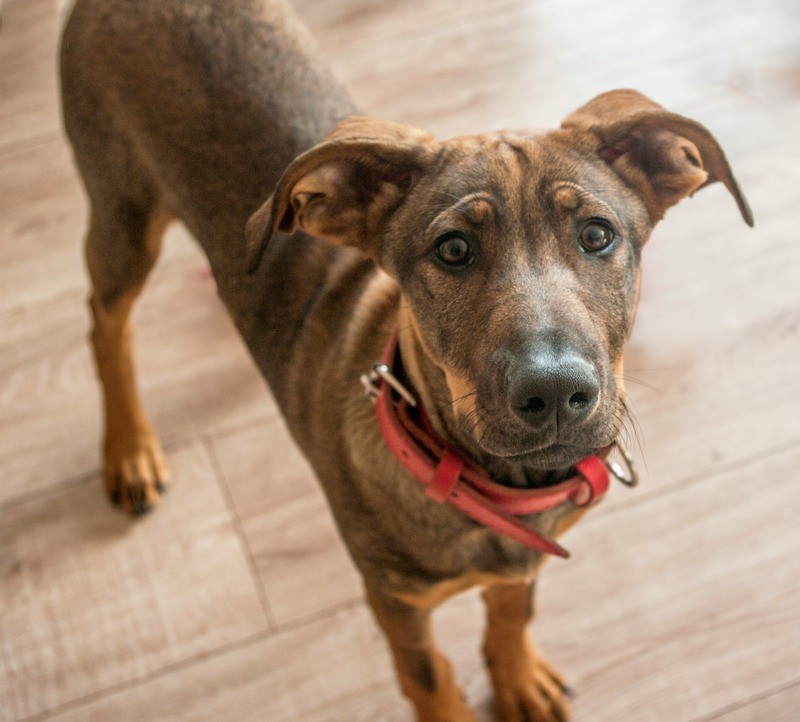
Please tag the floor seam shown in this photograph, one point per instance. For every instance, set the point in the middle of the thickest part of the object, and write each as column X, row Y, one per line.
column 699, row 477
column 238, row 527
column 192, row 661
column 149, row 677
column 733, row 706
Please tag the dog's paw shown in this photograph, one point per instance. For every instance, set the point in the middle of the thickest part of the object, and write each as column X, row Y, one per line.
column 135, row 472
column 529, row 689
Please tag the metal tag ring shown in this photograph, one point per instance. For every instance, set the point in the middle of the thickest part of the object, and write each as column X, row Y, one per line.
column 626, row 473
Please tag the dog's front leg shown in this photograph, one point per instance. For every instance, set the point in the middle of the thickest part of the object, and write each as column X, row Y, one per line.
column 426, row 676
column 527, row 688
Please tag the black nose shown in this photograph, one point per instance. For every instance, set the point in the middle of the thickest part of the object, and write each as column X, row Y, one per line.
column 547, row 388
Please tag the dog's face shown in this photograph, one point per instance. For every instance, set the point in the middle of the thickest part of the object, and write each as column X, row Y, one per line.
column 517, row 255
column 518, row 261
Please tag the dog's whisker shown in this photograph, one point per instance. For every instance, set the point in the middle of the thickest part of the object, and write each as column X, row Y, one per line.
column 632, row 379
column 452, row 403
column 630, row 427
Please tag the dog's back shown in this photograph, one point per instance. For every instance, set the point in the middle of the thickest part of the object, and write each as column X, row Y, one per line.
column 167, row 100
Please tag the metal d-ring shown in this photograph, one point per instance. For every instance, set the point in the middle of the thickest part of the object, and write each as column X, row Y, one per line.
column 625, row 473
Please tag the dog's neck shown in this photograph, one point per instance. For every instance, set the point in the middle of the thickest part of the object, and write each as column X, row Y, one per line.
column 426, row 378
column 430, row 386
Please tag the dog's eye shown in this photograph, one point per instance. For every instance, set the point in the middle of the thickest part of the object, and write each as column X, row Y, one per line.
column 596, row 236
column 454, row 250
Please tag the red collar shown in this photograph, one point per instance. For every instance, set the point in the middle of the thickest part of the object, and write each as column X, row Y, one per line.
column 448, row 475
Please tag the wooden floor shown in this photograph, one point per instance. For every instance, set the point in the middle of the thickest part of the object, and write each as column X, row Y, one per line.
column 235, row 600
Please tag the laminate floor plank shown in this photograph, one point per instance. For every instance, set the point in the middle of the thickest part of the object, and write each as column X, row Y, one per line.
column 90, row 598
column 454, row 69
column 43, row 218
column 305, row 673
column 42, row 221
column 684, row 603
column 286, row 522
column 187, row 352
column 29, row 98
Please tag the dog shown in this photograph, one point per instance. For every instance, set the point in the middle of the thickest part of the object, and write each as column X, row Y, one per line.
column 486, row 284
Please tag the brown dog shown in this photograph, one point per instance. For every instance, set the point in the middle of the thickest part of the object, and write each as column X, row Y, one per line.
column 508, row 262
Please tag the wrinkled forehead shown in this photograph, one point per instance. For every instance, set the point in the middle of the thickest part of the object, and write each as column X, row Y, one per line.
column 500, row 164
column 528, row 174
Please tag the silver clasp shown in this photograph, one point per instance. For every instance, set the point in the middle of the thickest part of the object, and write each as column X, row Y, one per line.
column 625, row 471
column 371, row 384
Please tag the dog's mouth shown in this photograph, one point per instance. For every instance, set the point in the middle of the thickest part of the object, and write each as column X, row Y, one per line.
column 539, row 468
column 534, row 460
column 555, row 456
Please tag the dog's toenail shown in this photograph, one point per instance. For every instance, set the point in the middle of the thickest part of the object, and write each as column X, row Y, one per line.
column 140, row 508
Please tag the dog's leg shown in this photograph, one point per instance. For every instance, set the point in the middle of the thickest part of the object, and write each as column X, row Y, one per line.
column 426, row 676
column 121, row 247
column 527, row 688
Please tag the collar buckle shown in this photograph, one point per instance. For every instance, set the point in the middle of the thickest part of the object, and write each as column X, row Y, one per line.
column 372, row 384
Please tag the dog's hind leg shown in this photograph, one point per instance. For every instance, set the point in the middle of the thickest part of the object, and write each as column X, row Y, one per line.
column 122, row 244
column 526, row 687
column 126, row 223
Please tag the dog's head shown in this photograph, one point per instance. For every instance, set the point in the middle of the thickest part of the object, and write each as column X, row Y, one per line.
column 517, row 255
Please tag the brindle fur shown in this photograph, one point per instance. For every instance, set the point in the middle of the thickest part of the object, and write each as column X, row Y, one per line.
column 197, row 111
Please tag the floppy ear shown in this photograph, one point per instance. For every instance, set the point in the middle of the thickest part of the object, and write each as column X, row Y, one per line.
column 344, row 189
column 664, row 156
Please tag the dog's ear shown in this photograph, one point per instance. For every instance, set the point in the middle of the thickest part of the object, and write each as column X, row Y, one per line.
column 344, row 189
column 665, row 157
